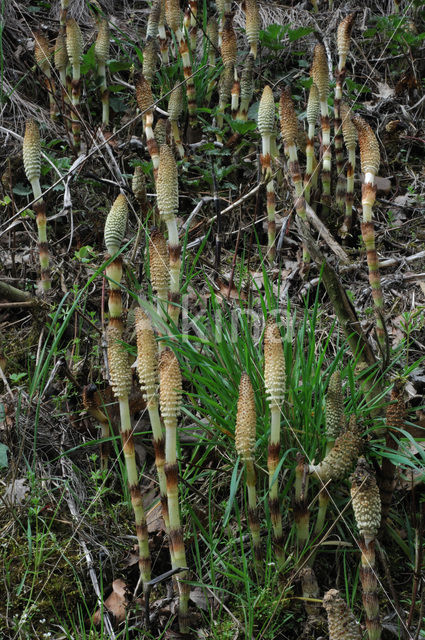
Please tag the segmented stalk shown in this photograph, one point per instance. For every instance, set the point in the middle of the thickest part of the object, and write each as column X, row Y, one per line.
column 31, row 152
column 320, row 75
column 43, row 55
column 147, row 368
column 245, row 435
column 63, row 17
column 370, row 160
column 101, row 50
column 175, row 108
column 235, row 94
column 92, row 406
column 168, row 204
column 349, row 133
column 366, row 503
column 341, row 622
column 192, row 27
column 301, row 510
column 274, row 378
column 247, row 88
column 74, row 46
column 343, row 44
column 145, row 102
column 170, row 400
column 120, row 374
column 313, row 110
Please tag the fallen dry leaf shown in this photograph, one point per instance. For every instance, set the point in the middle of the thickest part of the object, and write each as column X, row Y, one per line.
column 116, row 603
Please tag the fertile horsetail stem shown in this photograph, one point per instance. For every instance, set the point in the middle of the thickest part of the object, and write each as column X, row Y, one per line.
column 138, row 187
column 212, row 36
column 101, row 51
column 192, row 12
column 120, row 375
column 167, row 189
column 170, row 390
column 159, row 266
column 367, row 512
column 395, row 420
column 162, row 34
column 266, row 118
column 341, row 458
column 224, row 94
column 341, row 622
column 115, row 225
column 145, row 102
column 175, row 108
column 247, row 88
column 349, row 133
column 343, row 45
column 370, row 159
column 245, row 435
column 63, row 16
column 162, row 131
column 43, row 55
column 313, row 110
column 153, row 20
column 320, row 75
column 74, row 46
column 150, row 59
column 334, row 409
column 274, row 378
column 335, row 423
column 289, row 131
column 252, row 25
column 147, row 368
column 31, row 152
column 61, row 62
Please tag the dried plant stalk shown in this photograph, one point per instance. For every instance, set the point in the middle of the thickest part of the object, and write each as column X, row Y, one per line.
column 274, row 378
column 212, row 36
column 168, row 204
column 92, row 406
column 245, row 434
column 74, row 46
column 370, row 160
column 343, row 45
column 120, row 373
column 31, row 152
column 320, row 75
column 366, row 503
column 170, row 400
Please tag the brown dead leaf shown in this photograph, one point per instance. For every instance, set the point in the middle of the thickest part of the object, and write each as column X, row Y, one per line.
column 154, row 519
column 232, row 293
column 116, row 603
